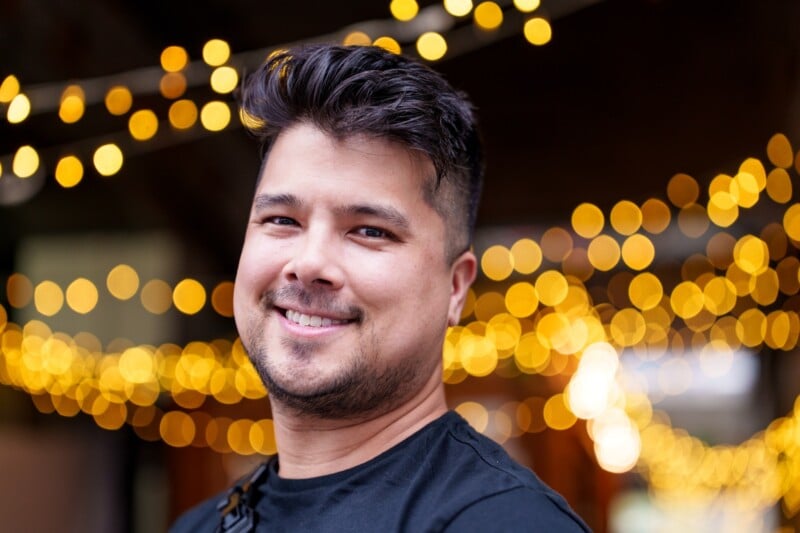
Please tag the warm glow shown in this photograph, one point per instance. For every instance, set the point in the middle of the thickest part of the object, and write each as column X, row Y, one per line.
column 172, row 85
column 107, row 159
column 638, row 252
column 526, row 6
column 645, row 291
column 48, row 298
column 527, row 256
column 779, row 151
column 556, row 244
column 82, row 296
column 26, row 162
column 19, row 290
column 118, row 100
column 556, row 414
column 387, row 43
column 475, row 414
column 156, row 296
column 174, row 58
column 19, row 109
column 404, row 10
column 497, row 263
column 538, row 31
column 143, row 125
column 357, row 38
column 626, row 218
column 488, row 15
column 751, row 254
column 72, row 104
column 431, row 46
column 458, row 8
column 215, row 116
column 122, row 282
column 791, row 222
column 69, row 171
column 779, row 186
column 222, row 299
column 551, row 286
column 682, row 190
column 182, row 114
column 216, row 52
column 224, row 79
column 9, row 89
column 655, row 216
column 587, row 220
column 604, row 253
column 521, row 299
column 189, row 296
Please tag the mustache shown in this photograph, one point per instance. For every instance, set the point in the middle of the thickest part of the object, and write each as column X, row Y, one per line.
column 320, row 300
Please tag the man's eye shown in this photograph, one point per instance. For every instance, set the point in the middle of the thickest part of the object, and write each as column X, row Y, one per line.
column 280, row 221
column 374, row 233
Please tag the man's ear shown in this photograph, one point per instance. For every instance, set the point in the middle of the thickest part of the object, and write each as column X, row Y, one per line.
column 462, row 274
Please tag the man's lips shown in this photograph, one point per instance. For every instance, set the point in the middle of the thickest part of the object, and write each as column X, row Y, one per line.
column 312, row 320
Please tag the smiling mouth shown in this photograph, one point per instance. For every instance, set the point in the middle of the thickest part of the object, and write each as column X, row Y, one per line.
column 314, row 321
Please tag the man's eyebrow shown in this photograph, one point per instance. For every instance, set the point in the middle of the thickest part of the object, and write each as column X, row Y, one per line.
column 263, row 201
column 384, row 212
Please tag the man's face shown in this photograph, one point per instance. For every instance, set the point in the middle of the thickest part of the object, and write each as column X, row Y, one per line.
column 343, row 292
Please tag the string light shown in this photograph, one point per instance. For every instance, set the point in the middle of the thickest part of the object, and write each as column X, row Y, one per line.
column 431, row 46
column 18, row 109
column 216, row 52
column 404, row 10
column 488, row 16
column 25, row 162
column 538, row 31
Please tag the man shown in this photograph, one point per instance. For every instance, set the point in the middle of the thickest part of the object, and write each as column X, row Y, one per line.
column 356, row 260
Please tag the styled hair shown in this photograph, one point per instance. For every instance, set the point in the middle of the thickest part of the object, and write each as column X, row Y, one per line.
column 366, row 90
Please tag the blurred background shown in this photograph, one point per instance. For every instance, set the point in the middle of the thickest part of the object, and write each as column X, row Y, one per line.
column 632, row 336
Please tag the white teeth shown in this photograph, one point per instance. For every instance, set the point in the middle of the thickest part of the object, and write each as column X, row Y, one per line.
column 311, row 320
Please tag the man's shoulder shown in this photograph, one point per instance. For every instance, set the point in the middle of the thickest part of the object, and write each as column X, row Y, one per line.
column 201, row 518
column 491, row 483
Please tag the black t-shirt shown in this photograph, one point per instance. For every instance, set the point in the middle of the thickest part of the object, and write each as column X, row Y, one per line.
column 446, row 477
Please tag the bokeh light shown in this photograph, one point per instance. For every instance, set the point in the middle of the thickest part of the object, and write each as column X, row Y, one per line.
column 538, row 31
column 118, row 100
column 189, row 296
column 143, row 124
column 458, row 8
column 488, row 15
column 122, row 282
column 526, row 6
column 182, row 114
column 107, row 159
column 19, row 109
column 215, row 116
column 404, row 10
column 69, row 171
column 224, row 79
column 82, row 296
column 25, row 162
column 72, row 104
column 388, row 43
column 216, row 52
column 587, row 220
column 174, row 58
column 431, row 46
column 9, row 88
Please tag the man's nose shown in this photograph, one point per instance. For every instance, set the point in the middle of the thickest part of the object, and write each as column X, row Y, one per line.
column 315, row 260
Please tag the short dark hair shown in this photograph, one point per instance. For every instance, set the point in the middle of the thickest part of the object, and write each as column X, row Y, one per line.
column 352, row 90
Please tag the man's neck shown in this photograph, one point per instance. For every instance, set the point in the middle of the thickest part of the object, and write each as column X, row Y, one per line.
column 311, row 447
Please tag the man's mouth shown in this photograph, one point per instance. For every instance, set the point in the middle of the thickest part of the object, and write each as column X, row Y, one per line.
column 314, row 321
